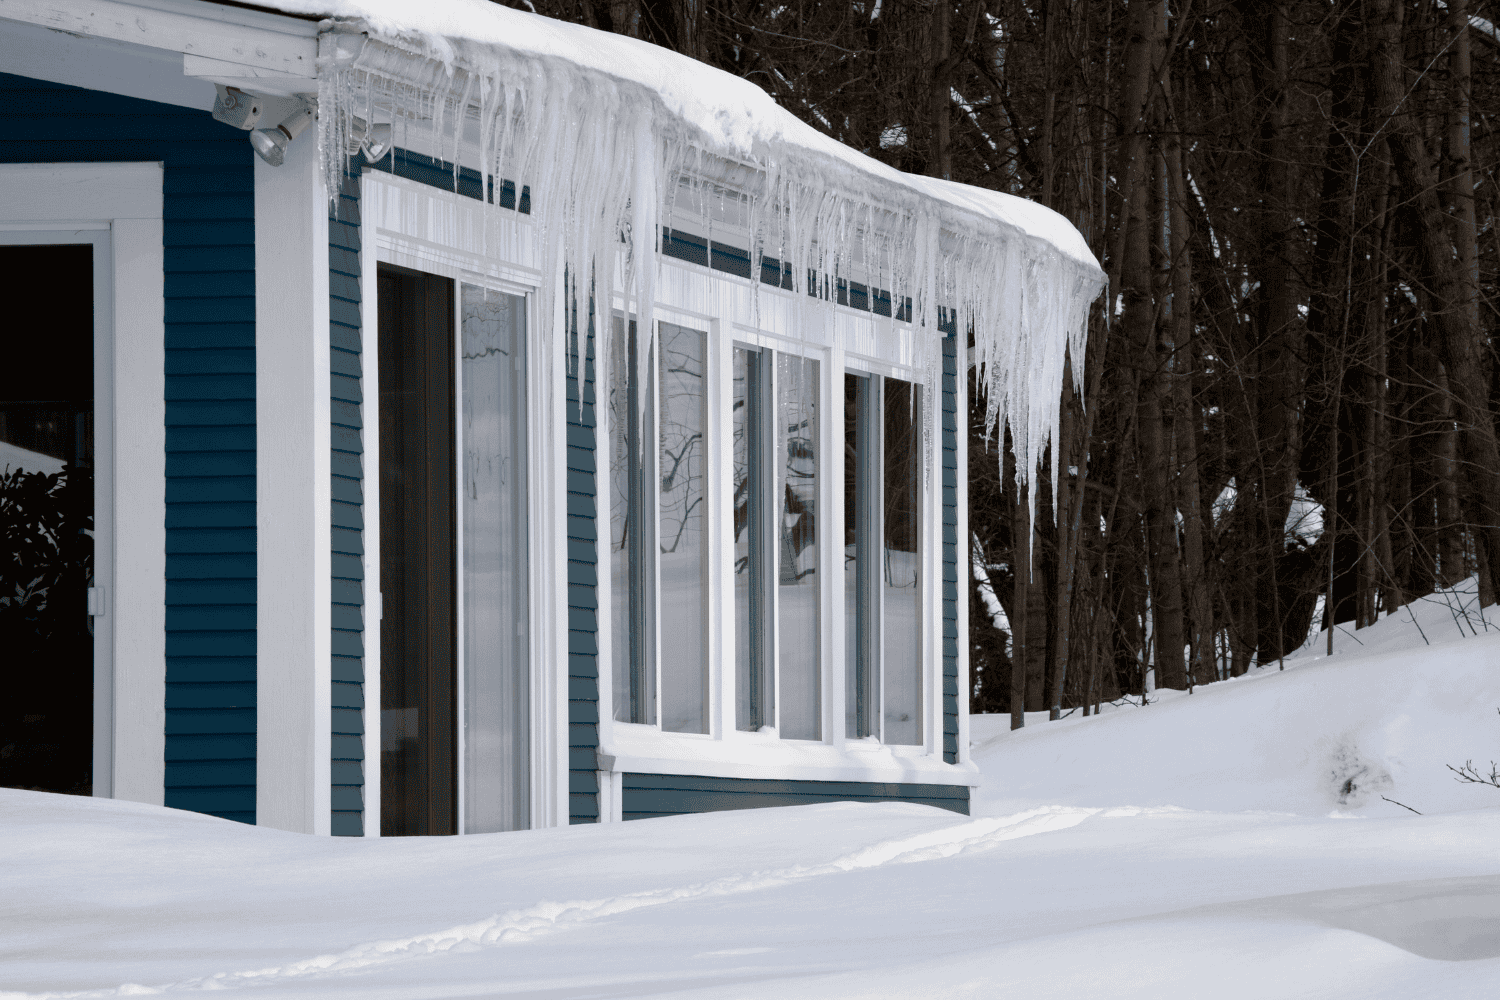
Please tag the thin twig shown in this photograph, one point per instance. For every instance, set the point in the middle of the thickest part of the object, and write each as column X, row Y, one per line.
column 1403, row 805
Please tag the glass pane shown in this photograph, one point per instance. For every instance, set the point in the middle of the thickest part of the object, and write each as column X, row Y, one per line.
column 632, row 571
column 861, row 642
column 682, row 476
column 418, row 536
column 754, row 680
column 901, row 655
column 497, row 716
column 797, row 580
column 47, row 510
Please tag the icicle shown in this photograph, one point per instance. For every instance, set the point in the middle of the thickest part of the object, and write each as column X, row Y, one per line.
column 604, row 158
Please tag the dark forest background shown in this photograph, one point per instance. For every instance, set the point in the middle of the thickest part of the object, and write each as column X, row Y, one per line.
column 1292, row 400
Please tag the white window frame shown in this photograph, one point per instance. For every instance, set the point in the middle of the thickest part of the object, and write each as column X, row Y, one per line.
column 422, row 228
column 117, row 207
column 739, row 311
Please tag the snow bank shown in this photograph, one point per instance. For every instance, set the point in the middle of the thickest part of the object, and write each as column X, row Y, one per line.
column 603, row 127
column 1381, row 719
column 1195, row 847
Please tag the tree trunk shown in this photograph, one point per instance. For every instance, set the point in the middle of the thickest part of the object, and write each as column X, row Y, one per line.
column 1189, row 496
column 1460, row 344
column 1019, row 633
column 1069, row 509
column 1138, row 324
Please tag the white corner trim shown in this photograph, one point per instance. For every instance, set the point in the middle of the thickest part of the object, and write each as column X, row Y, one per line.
column 140, row 471
column 293, row 495
column 369, row 343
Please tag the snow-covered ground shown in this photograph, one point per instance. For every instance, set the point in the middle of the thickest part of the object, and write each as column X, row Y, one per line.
column 1235, row 842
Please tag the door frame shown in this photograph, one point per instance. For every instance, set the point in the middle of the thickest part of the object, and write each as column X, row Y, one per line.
column 411, row 229
column 117, row 208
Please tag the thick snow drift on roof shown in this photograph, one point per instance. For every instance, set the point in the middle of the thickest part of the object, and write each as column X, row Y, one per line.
column 1232, row 843
column 603, row 126
column 735, row 116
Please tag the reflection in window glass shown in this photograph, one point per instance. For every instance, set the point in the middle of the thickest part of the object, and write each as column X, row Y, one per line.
column 797, row 578
column 901, row 653
column 632, row 572
column 861, row 515
column 497, row 731
column 682, row 477
column 754, row 704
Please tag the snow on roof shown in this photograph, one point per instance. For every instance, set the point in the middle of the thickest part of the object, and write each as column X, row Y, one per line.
column 611, row 123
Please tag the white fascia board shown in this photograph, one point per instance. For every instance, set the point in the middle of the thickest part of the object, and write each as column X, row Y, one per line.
column 100, row 64
column 246, row 38
column 647, row 750
column 251, row 79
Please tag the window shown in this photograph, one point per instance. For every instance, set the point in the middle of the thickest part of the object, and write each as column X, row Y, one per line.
column 686, row 522
column 658, row 520
column 776, row 582
column 494, row 554
column 882, row 559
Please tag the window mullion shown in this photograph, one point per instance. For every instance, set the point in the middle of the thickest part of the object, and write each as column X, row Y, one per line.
column 875, row 545
column 768, row 539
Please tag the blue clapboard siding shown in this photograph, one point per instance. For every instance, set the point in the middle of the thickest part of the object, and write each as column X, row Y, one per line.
column 951, row 693
column 583, row 602
column 645, row 796
column 209, row 237
column 347, row 467
column 439, row 174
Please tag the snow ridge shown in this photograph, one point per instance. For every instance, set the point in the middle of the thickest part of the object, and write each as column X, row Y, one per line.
column 516, row 926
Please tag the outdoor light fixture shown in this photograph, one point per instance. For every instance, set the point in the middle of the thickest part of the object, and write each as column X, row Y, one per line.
column 378, row 143
column 374, row 141
column 271, row 143
column 235, row 107
column 245, row 111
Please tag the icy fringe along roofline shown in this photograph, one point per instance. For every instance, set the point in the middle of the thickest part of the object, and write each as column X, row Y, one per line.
column 604, row 157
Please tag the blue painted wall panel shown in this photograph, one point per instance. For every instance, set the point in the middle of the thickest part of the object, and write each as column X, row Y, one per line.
column 209, row 289
column 649, row 795
column 583, row 645
column 950, row 548
column 347, row 535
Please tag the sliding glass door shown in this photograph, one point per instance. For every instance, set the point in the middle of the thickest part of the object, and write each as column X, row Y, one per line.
column 492, row 505
column 454, row 559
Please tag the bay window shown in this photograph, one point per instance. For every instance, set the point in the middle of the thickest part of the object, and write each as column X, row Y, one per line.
column 719, row 511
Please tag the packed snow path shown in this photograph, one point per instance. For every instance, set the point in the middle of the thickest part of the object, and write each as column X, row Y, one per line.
column 1236, row 842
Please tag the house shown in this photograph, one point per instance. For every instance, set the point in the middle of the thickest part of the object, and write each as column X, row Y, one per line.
column 490, row 423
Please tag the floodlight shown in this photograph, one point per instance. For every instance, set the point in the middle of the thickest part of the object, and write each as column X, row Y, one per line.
column 271, row 143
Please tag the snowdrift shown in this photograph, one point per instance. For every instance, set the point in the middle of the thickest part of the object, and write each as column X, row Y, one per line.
column 1386, row 715
column 1229, row 843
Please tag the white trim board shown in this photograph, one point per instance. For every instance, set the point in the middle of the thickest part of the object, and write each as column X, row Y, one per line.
column 293, row 496
column 118, row 206
column 638, row 749
column 249, row 38
column 100, row 64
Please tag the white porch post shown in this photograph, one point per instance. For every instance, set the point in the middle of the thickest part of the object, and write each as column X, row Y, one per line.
column 292, row 470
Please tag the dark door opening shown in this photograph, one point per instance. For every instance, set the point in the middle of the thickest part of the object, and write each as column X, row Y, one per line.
column 418, row 661
column 47, row 518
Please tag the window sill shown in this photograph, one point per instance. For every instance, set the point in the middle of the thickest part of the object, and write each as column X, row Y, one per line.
column 645, row 750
